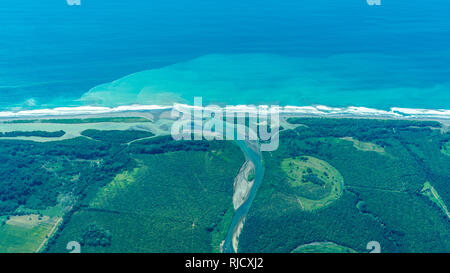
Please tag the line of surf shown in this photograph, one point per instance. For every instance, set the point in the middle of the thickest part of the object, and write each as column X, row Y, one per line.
column 314, row 110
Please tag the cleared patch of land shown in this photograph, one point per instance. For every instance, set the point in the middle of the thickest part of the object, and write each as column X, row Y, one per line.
column 27, row 221
column 365, row 146
column 429, row 191
column 315, row 182
column 120, row 182
column 323, row 247
column 27, row 233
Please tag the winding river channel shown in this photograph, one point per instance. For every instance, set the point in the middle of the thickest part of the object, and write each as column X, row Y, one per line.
column 241, row 213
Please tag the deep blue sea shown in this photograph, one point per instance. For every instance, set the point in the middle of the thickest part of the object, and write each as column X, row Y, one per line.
column 291, row 52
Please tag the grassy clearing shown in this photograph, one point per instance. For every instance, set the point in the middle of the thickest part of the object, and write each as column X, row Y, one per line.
column 27, row 221
column 365, row 146
column 429, row 191
column 120, row 182
column 26, row 234
column 323, row 247
column 315, row 182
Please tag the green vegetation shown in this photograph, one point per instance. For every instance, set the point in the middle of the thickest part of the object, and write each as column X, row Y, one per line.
column 26, row 233
column 130, row 191
column 314, row 182
column 220, row 230
column 117, row 188
column 116, row 136
column 323, row 247
column 365, row 146
column 121, row 181
column 251, row 175
column 429, row 191
column 78, row 120
column 47, row 179
column 35, row 174
column 94, row 235
column 32, row 133
column 446, row 148
column 176, row 201
column 165, row 144
column 382, row 197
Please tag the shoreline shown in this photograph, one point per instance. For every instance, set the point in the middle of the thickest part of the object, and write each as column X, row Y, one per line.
column 154, row 112
column 316, row 110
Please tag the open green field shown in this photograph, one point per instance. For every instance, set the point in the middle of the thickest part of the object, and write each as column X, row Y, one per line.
column 323, row 247
column 315, row 182
column 25, row 234
column 429, row 191
column 119, row 183
column 365, row 146
column 171, row 202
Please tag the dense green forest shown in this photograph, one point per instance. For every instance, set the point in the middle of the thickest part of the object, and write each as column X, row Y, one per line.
column 173, row 201
column 381, row 201
column 34, row 174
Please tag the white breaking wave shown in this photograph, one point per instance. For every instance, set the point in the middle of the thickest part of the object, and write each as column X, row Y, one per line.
column 80, row 110
column 317, row 110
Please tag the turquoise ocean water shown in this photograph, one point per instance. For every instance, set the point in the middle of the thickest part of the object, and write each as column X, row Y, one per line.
column 292, row 52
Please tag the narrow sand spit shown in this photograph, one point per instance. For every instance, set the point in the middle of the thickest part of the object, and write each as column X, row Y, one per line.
column 237, row 233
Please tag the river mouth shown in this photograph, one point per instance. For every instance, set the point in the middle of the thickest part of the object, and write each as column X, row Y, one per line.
column 230, row 243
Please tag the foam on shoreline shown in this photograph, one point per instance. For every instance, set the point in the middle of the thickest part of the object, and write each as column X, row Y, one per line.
column 80, row 110
column 317, row 110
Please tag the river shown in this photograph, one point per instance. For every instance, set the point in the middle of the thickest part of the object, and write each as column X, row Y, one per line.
column 242, row 211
